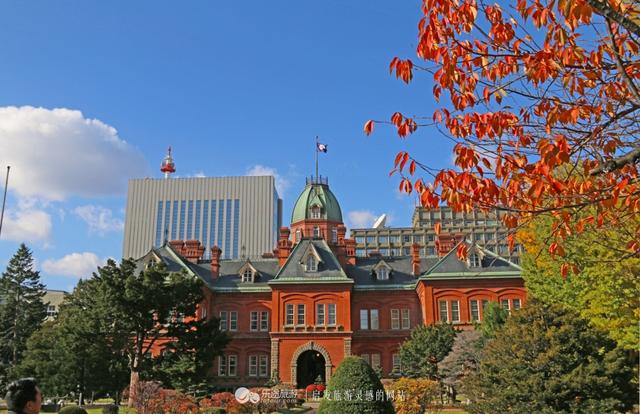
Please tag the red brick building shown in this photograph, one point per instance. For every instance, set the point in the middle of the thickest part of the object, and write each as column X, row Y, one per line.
column 296, row 313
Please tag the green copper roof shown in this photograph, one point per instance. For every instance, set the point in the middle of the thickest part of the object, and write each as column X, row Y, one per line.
column 317, row 193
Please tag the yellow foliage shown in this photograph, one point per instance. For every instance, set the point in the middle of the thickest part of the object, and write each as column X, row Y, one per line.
column 416, row 396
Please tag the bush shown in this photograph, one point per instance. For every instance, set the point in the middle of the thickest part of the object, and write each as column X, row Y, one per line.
column 172, row 402
column 72, row 409
column 416, row 396
column 355, row 389
column 110, row 409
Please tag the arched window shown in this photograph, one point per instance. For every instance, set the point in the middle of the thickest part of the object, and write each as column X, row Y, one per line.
column 312, row 264
column 247, row 275
column 316, row 231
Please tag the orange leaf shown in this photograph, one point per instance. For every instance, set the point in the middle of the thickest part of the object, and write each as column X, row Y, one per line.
column 437, row 227
column 412, row 167
column 368, row 127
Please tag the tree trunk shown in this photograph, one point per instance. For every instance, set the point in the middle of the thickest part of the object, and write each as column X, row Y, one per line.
column 133, row 387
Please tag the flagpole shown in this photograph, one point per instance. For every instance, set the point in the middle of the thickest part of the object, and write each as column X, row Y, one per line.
column 317, row 178
column 4, row 198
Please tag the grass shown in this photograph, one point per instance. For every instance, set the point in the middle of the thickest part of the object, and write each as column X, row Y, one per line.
column 123, row 410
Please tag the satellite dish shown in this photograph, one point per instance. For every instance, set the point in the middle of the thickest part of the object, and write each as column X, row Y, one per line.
column 380, row 222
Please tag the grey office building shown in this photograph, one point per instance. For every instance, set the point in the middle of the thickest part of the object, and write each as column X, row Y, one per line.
column 241, row 215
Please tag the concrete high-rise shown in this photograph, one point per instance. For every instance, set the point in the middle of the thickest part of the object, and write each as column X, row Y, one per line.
column 241, row 215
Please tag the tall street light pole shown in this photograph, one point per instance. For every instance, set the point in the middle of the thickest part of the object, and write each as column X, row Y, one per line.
column 4, row 198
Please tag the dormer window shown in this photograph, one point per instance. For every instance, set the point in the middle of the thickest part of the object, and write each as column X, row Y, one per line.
column 382, row 273
column 312, row 264
column 298, row 235
column 474, row 260
column 315, row 212
column 382, row 270
column 316, row 231
column 247, row 275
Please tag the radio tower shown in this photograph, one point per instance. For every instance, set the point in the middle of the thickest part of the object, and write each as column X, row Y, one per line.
column 167, row 166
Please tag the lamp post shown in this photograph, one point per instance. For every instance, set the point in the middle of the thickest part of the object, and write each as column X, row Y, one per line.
column 4, row 198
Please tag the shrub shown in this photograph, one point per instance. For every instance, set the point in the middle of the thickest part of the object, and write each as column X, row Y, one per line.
column 355, row 389
column 416, row 395
column 110, row 409
column 72, row 409
column 172, row 402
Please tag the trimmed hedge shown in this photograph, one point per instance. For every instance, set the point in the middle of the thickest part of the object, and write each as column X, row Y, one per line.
column 353, row 378
column 72, row 410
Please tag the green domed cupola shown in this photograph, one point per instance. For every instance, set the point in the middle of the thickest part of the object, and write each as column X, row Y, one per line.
column 316, row 202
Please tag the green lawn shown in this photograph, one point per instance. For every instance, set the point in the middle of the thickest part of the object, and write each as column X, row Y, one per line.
column 123, row 410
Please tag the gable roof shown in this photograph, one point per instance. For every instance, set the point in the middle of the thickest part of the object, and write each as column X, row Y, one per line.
column 330, row 270
column 401, row 277
column 451, row 267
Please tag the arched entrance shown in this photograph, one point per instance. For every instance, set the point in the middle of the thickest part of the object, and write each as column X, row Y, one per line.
column 311, row 365
column 305, row 363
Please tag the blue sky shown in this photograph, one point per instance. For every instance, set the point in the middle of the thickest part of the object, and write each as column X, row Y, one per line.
column 93, row 92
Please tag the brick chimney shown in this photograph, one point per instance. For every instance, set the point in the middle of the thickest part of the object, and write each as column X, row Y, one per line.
column 215, row 261
column 193, row 250
column 284, row 246
column 342, row 231
column 415, row 259
column 177, row 246
column 447, row 242
column 350, row 247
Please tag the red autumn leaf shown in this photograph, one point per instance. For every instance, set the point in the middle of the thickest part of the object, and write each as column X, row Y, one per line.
column 368, row 127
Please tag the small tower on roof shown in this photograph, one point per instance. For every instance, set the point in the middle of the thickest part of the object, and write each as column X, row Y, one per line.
column 168, row 167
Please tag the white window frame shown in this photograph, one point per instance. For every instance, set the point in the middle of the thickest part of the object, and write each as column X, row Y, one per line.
column 253, row 365
column 443, row 311
column 312, row 264
column 264, row 321
column 395, row 319
column 316, row 232
column 374, row 321
column 263, row 363
column 405, row 317
column 247, row 275
column 254, row 322
column 233, row 366
column 300, row 316
column 320, row 314
column 364, row 319
column 375, row 361
column 396, row 363
column 382, row 273
column 506, row 302
column 222, row 365
column 224, row 323
column 475, row 302
column 513, row 302
column 334, row 235
column 474, row 260
column 298, row 235
column 331, row 314
column 289, row 314
column 233, row 321
column 455, row 311
column 316, row 212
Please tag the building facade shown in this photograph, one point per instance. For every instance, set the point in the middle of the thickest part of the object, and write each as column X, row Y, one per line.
column 239, row 214
column 483, row 229
column 295, row 313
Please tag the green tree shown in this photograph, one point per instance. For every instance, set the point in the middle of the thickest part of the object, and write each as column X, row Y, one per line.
column 606, row 291
column 22, row 311
column 77, row 352
column 185, row 362
column 147, row 305
column 427, row 346
column 546, row 359
column 354, row 376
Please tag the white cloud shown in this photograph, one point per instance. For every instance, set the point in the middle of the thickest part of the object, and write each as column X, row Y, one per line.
column 57, row 153
column 28, row 225
column 80, row 265
column 282, row 184
column 99, row 219
column 361, row 219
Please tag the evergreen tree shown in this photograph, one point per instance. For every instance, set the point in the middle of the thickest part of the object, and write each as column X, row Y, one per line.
column 22, row 311
column 427, row 346
column 546, row 359
column 355, row 377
